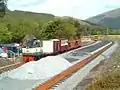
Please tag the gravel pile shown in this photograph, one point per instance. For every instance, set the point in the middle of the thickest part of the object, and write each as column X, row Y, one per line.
column 42, row 69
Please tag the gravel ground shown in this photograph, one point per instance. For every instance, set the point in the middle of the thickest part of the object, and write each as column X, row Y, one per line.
column 9, row 82
column 10, row 64
column 94, row 72
column 15, row 84
column 90, row 76
column 76, row 55
column 6, row 61
column 72, row 81
column 31, row 73
column 10, row 61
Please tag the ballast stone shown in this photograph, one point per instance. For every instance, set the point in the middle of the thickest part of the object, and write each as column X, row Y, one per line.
column 42, row 69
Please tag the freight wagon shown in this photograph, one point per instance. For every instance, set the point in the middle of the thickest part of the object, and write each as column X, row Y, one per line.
column 37, row 49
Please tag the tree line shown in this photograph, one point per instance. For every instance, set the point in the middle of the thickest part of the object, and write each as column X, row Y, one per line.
column 68, row 28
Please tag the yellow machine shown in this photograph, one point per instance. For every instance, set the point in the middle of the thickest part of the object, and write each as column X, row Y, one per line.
column 96, row 37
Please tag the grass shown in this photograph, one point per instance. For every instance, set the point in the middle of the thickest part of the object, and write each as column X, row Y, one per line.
column 109, row 78
column 110, row 81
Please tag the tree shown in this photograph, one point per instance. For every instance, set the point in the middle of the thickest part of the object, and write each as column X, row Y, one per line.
column 79, row 29
column 5, row 36
column 37, row 30
column 18, row 32
column 53, row 29
column 3, row 5
column 69, row 28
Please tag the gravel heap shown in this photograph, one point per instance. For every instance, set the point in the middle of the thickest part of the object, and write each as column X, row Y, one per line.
column 42, row 69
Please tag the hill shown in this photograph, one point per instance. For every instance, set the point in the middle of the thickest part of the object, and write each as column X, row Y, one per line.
column 16, row 16
column 109, row 19
column 16, row 25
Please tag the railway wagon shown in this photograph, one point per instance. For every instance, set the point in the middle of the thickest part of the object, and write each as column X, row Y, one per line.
column 74, row 44
column 44, row 48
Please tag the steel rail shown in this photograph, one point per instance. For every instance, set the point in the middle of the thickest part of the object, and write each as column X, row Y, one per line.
column 54, row 80
column 7, row 67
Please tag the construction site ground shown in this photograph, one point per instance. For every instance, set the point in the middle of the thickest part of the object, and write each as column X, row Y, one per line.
column 13, row 60
column 106, row 67
column 31, row 83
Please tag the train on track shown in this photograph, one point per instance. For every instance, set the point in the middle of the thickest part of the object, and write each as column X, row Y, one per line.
column 37, row 49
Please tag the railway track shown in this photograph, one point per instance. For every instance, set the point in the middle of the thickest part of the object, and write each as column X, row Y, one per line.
column 56, row 80
column 81, row 52
column 11, row 66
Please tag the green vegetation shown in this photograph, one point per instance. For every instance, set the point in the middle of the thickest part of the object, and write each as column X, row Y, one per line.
column 3, row 5
column 103, row 31
column 111, row 81
column 109, row 77
column 114, row 31
column 18, row 24
column 62, row 28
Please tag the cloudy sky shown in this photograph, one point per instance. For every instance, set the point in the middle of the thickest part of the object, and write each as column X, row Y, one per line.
column 76, row 8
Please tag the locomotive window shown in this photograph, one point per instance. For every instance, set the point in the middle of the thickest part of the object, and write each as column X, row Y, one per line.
column 37, row 44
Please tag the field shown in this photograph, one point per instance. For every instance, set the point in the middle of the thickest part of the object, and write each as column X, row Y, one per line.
column 107, row 74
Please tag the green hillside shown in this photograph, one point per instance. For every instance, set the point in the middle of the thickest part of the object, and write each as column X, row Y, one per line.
column 16, row 16
column 109, row 19
column 16, row 25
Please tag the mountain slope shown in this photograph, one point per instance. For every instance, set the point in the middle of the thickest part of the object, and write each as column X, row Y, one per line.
column 14, row 17
column 17, row 16
column 31, row 18
column 109, row 19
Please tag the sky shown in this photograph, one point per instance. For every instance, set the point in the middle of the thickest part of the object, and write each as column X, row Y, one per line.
column 81, row 9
